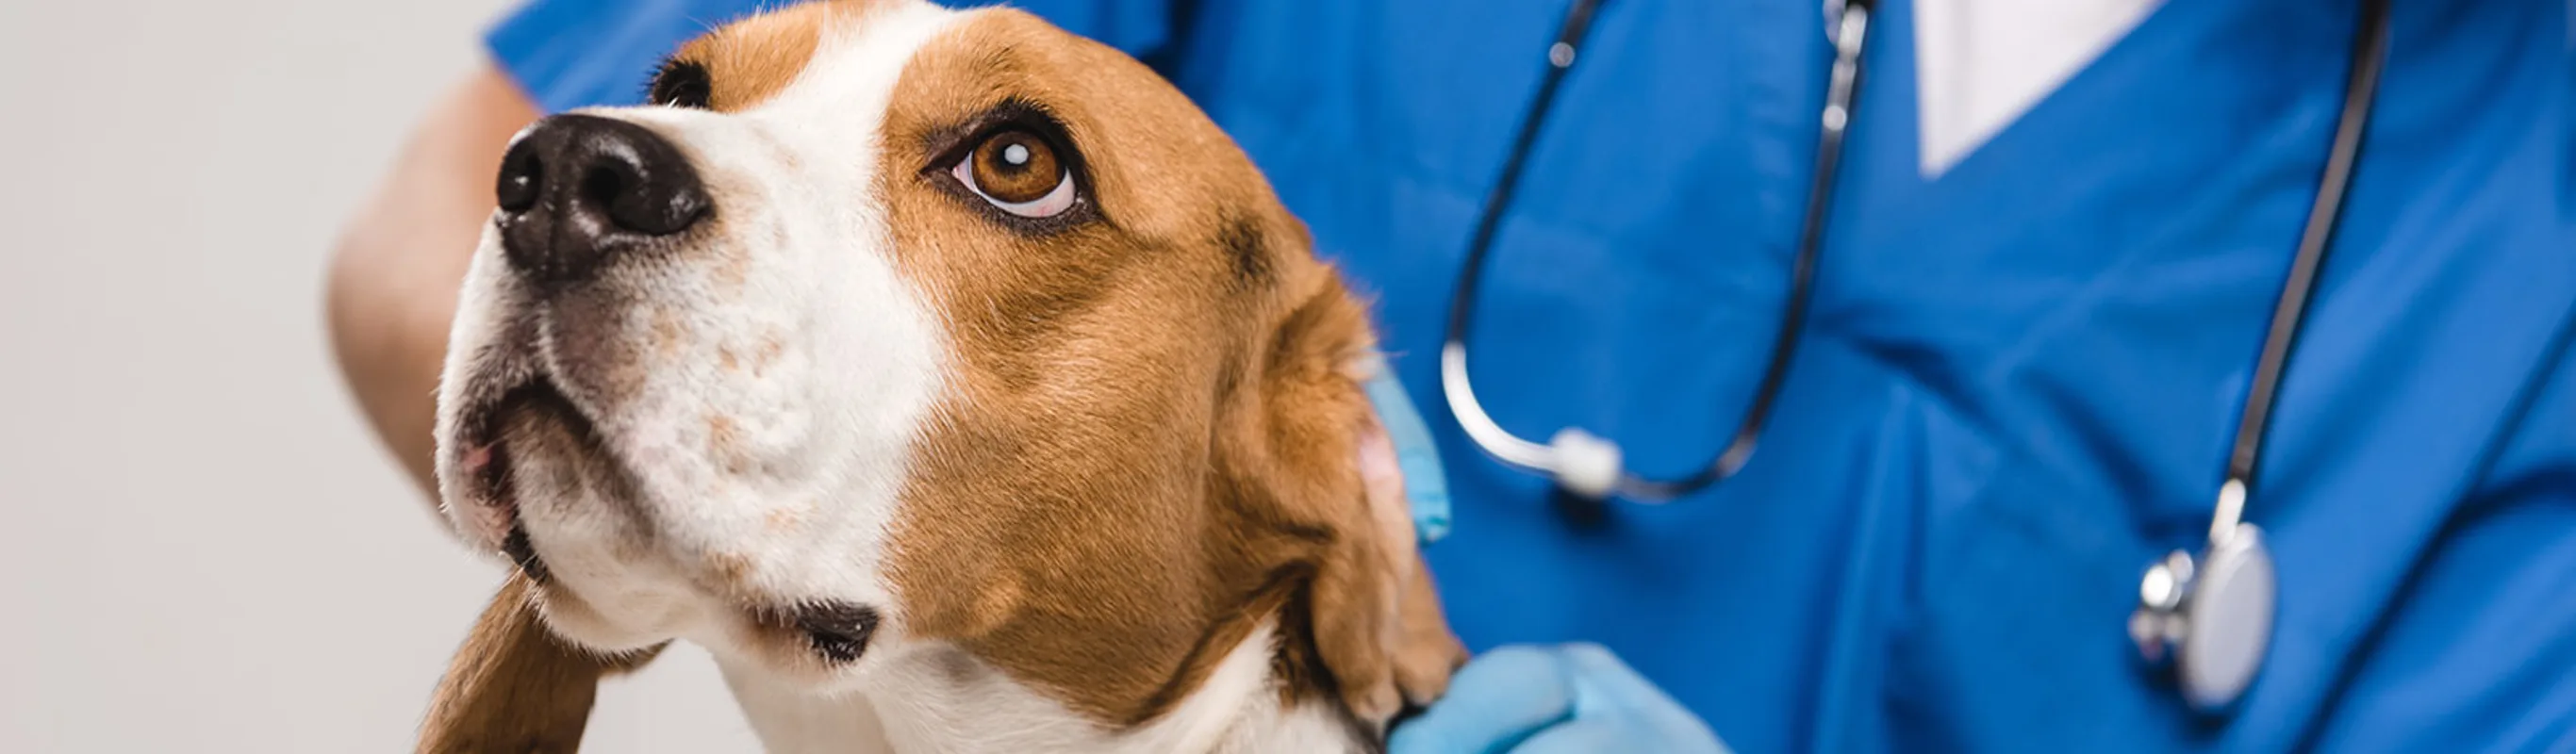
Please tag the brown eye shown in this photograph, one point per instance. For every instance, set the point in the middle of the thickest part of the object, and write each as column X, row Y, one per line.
column 1017, row 172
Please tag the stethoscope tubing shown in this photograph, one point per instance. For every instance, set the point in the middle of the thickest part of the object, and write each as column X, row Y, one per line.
column 1851, row 30
column 1850, row 25
column 2316, row 239
column 1510, row 449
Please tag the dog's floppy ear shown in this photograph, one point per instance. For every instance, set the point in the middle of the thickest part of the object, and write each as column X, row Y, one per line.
column 1329, row 468
column 513, row 686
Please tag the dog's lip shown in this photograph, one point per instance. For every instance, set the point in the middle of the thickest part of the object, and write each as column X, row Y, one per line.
column 485, row 459
column 485, row 462
column 523, row 553
column 837, row 631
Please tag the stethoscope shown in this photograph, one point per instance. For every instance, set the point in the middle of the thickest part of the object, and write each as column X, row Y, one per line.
column 2207, row 619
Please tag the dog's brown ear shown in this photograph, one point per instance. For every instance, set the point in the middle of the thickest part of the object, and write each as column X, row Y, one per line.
column 515, row 687
column 1376, row 623
column 1425, row 650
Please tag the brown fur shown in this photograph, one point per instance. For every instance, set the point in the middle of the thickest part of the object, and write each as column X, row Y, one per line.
column 1152, row 452
column 751, row 59
column 514, row 687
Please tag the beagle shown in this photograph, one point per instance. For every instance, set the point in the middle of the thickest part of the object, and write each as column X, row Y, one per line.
column 952, row 380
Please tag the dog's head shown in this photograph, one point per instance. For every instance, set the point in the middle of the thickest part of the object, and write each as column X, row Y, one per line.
column 893, row 328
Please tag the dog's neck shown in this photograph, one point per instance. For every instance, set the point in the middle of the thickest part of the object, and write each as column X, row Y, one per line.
column 945, row 701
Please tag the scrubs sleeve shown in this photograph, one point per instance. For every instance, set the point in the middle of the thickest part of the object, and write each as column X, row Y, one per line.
column 2479, row 653
column 568, row 54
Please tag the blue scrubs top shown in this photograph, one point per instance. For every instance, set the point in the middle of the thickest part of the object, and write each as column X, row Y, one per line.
column 2021, row 375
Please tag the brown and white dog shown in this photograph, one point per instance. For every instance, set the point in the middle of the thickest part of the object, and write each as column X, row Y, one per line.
column 950, row 378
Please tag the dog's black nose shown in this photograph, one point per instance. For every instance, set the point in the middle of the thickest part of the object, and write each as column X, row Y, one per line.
column 578, row 188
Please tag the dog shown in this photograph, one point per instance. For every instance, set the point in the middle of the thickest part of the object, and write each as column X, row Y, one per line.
column 950, row 378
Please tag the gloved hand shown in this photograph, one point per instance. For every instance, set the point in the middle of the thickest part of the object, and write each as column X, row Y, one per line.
column 1571, row 699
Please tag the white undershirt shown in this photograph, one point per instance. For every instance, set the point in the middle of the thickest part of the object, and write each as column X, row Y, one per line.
column 1980, row 64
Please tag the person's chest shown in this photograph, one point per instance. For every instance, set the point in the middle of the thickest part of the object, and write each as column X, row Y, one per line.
column 2026, row 350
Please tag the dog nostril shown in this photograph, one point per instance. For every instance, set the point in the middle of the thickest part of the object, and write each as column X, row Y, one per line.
column 837, row 630
column 603, row 185
column 521, row 178
column 644, row 197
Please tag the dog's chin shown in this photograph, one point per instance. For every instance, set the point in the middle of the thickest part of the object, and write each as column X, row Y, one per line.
column 533, row 440
column 496, row 441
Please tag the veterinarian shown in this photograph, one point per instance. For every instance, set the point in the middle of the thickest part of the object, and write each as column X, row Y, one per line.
column 1932, row 374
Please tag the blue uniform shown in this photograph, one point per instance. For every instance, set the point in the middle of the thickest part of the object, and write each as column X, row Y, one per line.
column 2020, row 376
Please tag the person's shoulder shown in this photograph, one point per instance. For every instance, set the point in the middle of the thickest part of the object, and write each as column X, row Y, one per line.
column 579, row 53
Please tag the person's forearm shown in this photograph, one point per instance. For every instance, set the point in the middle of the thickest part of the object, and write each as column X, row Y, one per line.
column 395, row 273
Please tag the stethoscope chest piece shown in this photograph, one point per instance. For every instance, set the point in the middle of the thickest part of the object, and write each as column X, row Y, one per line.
column 2209, row 619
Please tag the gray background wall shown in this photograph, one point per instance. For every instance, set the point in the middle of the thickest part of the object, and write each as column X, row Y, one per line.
column 201, row 548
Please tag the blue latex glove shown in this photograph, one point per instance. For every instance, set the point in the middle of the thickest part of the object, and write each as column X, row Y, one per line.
column 1571, row 699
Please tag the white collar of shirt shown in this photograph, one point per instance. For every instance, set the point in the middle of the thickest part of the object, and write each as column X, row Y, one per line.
column 1980, row 64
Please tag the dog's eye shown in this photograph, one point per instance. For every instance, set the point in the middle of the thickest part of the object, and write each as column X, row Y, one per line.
column 1017, row 172
column 681, row 83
